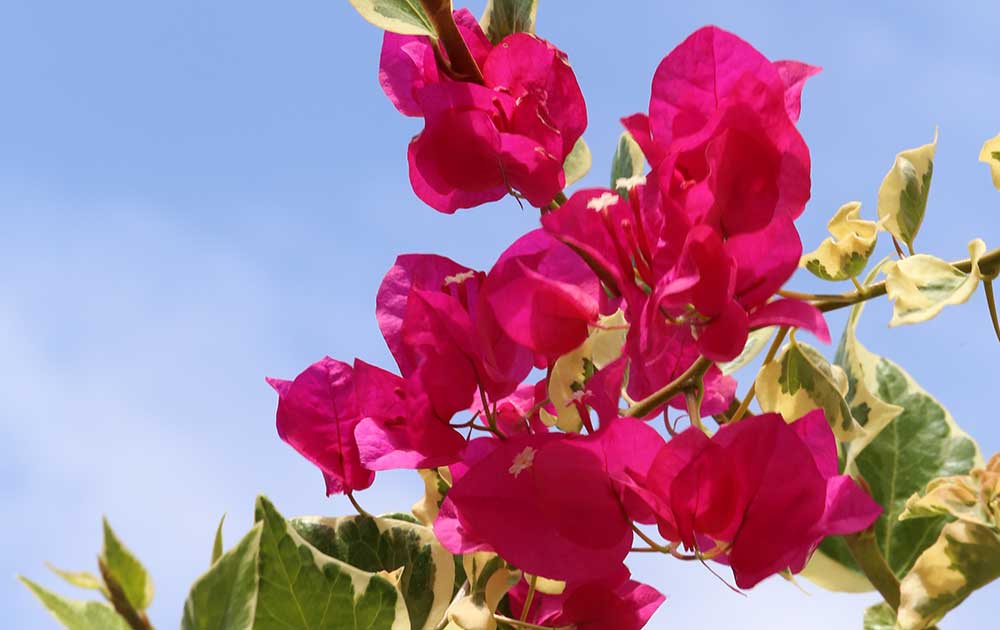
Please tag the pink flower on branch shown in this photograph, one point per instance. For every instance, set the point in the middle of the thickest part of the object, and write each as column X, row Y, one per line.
column 764, row 492
column 511, row 133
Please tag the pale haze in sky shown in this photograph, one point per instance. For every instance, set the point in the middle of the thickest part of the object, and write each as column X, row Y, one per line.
column 196, row 195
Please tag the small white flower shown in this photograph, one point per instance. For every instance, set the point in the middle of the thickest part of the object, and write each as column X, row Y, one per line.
column 523, row 461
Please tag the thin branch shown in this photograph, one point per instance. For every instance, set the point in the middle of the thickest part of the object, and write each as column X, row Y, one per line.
column 989, row 264
column 357, row 506
column 690, row 376
column 867, row 554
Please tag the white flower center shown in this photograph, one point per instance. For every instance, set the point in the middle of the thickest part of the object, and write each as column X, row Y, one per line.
column 522, row 461
column 459, row 278
column 628, row 183
column 598, row 204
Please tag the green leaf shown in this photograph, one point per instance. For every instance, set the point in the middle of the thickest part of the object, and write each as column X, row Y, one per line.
column 74, row 614
column 921, row 286
column 801, row 380
column 897, row 456
column 217, row 545
column 275, row 580
column 79, row 579
column 406, row 17
column 846, row 252
column 225, row 598
column 505, row 17
column 902, row 198
column 303, row 589
column 627, row 164
column 964, row 558
column 578, row 162
column 386, row 545
column 126, row 569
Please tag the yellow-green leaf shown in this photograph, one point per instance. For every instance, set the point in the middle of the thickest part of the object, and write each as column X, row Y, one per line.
column 436, row 484
column 921, row 286
column 757, row 341
column 126, row 569
column 217, row 547
column 964, row 558
column 902, row 198
column 571, row 371
column 505, row 17
column 627, row 164
column 77, row 615
column 489, row 580
column 578, row 162
column 801, row 380
column 80, row 579
column 406, row 17
column 991, row 155
column 845, row 253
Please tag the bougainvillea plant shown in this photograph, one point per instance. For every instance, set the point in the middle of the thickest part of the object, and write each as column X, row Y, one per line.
column 576, row 403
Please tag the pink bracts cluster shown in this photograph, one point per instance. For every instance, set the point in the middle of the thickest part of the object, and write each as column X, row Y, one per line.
column 693, row 254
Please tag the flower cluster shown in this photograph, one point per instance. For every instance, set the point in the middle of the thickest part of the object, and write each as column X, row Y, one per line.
column 617, row 294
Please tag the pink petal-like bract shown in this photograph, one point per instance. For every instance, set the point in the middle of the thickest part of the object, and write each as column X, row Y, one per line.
column 317, row 414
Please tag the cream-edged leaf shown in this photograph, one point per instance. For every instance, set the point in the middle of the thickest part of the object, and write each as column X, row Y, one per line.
column 800, row 380
column 902, row 198
column 964, row 558
column 407, row 554
column 571, row 371
column 921, row 286
column 489, row 579
column 406, row 17
column 845, row 253
column 909, row 439
column 991, row 156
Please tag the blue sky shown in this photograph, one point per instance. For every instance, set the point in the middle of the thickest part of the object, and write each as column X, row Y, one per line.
column 196, row 195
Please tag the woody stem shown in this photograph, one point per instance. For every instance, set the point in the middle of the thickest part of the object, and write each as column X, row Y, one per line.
column 462, row 61
column 680, row 384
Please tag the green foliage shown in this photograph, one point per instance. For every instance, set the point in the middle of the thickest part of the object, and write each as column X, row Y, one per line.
column 77, row 615
column 127, row 571
column 406, row 17
column 225, row 598
column 217, row 547
column 505, row 17
column 276, row 580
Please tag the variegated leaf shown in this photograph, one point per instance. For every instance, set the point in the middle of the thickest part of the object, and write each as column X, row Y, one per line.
column 845, row 253
column 921, row 286
column 991, row 156
column 902, row 198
